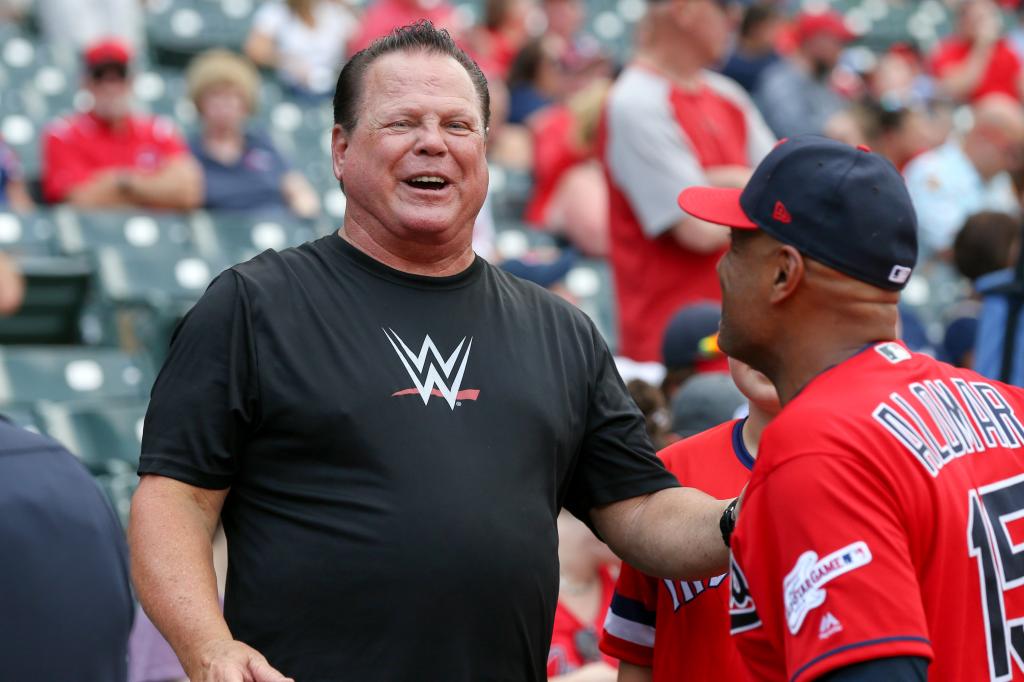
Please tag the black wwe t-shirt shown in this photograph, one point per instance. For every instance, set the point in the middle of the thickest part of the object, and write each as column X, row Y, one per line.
column 397, row 448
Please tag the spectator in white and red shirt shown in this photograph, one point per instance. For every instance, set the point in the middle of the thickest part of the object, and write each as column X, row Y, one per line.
column 670, row 123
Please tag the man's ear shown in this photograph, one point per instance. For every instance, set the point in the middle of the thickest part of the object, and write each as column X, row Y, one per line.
column 339, row 147
column 789, row 272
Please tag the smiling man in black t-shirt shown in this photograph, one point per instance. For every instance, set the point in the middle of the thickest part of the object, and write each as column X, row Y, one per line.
column 389, row 425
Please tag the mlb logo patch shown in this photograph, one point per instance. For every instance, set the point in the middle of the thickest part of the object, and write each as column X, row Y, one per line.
column 899, row 274
column 893, row 352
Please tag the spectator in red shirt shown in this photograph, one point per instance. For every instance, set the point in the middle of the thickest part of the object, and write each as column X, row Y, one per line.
column 977, row 60
column 588, row 570
column 570, row 195
column 670, row 123
column 496, row 42
column 383, row 16
column 109, row 157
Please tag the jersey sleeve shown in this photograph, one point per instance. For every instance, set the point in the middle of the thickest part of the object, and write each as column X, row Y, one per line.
column 616, row 460
column 204, row 402
column 64, row 167
column 827, row 563
column 628, row 633
column 650, row 160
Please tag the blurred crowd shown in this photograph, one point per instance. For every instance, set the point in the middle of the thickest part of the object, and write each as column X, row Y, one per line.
column 705, row 91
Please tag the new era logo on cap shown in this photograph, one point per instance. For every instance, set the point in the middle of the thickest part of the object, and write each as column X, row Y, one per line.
column 781, row 214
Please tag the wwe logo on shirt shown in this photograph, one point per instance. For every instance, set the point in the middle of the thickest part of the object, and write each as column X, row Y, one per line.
column 441, row 377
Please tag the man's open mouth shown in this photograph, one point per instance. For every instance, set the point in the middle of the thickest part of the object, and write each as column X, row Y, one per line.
column 434, row 182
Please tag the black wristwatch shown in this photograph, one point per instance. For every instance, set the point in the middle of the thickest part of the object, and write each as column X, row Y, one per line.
column 728, row 521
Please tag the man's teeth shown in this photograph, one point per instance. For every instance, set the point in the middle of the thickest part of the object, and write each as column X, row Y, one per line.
column 428, row 178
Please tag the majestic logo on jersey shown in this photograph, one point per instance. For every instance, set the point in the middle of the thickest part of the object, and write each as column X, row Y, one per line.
column 742, row 610
column 829, row 626
column 442, row 379
column 804, row 588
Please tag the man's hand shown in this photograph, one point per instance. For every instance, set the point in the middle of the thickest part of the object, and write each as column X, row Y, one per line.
column 228, row 660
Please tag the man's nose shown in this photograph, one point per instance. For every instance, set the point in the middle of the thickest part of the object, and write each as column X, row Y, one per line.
column 430, row 140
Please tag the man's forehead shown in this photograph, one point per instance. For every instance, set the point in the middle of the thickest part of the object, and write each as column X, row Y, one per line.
column 420, row 72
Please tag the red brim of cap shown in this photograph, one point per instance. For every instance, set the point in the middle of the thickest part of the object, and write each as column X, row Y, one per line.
column 719, row 205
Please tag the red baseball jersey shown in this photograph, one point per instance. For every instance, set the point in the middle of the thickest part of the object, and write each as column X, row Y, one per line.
column 574, row 643
column 78, row 146
column 885, row 518
column 680, row 628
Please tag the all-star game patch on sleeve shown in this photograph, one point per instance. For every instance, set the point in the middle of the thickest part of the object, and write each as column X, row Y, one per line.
column 825, row 560
column 628, row 633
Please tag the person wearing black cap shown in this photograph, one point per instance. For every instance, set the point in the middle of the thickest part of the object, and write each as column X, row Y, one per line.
column 109, row 157
column 875, row 536
column 690, row 345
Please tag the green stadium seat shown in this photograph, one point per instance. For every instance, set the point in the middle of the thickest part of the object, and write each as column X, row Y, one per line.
column 234, row 238
column 590, row 282
column 29, row 374
column 119, row 489
column 106, row 436
column 136, row 232
column 55, row 296
column 29, row 234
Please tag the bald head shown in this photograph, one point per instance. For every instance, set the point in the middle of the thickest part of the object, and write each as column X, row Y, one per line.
column 996, row 140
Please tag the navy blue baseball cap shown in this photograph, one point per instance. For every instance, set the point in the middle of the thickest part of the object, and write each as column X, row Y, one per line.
column 843, row 206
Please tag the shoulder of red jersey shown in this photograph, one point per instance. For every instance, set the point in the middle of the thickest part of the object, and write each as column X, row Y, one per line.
column 677, row 455
column 65, row 126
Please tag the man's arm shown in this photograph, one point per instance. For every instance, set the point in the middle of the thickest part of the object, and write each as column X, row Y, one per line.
column 634, row 673
column 671, row 533
column 170, row 535
column 698, row 235
column 176, row 186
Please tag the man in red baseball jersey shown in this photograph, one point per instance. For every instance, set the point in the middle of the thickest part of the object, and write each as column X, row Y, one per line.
column 882, row 527
column 670, row 630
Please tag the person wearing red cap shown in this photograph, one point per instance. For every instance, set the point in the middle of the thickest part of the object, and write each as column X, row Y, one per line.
column 109, row 157
column 795, row 94
column 977, row 60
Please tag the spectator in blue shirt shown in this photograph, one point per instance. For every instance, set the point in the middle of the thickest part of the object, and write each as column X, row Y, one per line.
column 13, row 189
column 755, row 46
column 242, row 169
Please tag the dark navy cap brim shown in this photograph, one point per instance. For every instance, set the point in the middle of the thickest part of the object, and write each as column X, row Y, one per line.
column 719, row 205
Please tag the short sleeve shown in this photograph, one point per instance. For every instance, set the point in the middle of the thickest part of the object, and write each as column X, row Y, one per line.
column 628, row 633
column 64, row 167
column 616, row 459
column 650, row 160
column 823, row 550
column 204, row 402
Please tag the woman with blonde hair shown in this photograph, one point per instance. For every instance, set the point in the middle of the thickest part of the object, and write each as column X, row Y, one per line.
column 242, row 169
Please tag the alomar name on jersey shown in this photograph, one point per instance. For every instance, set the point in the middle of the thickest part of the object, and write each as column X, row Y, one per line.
column 991, row 422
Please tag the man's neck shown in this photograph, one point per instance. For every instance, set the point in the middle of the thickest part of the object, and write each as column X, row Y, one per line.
column 801, row 363
column 432, row 260
column 753, row 427
column 674, row 63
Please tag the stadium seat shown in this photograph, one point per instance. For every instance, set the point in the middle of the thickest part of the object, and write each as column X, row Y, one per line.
column 31, row 234
column 29, row 374
column 55, row 295
column 178, row 30
column 590, row 282
column 234, row 237
column 106, row 436
column 137, row 232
